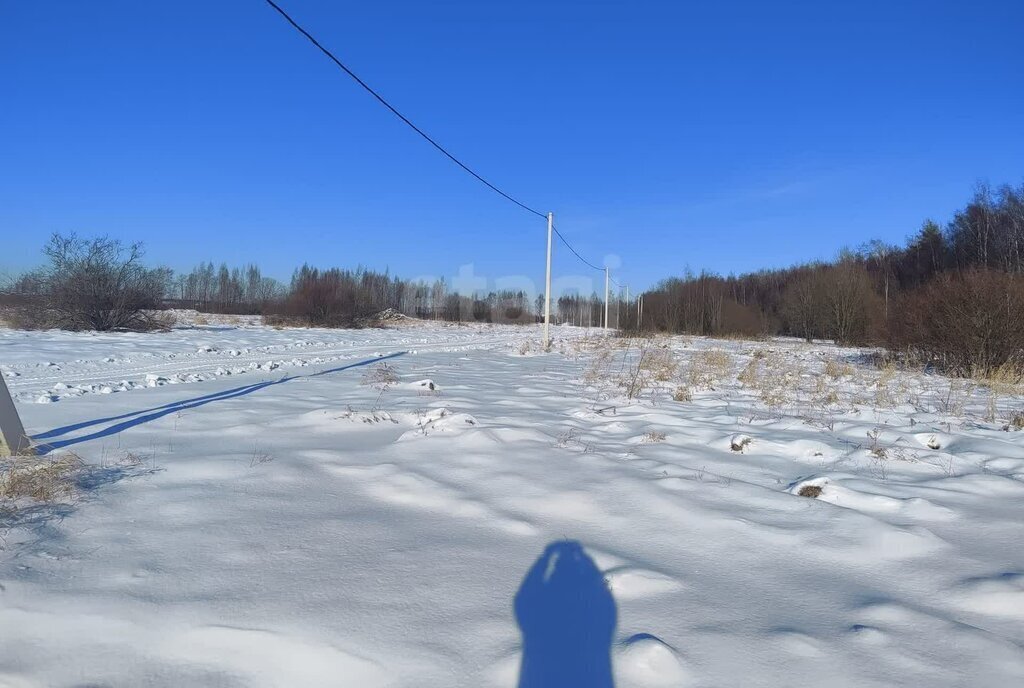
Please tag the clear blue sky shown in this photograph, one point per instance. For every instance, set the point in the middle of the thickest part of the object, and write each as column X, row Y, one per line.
column 724, row 135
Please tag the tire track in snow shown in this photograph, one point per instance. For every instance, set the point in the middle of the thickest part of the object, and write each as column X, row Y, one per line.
column 138, row 376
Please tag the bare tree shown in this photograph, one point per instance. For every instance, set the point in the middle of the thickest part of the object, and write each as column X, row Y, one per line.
column 880, row 255
column 98, row 284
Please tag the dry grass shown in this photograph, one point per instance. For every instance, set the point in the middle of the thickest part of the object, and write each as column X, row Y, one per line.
column 751, row 372
column 890, row 387
column 649, row 368
column 656, row 366
column 829, row 398
column 600, row 366
column 653, row 436
column 812, row 491
column 381, row 377
column 572, row 439
column 835, row 370
column 259, row 458
column 1007, row 379
column 661, row 363
column 956, row 399
column 682, row 393
column 774, row 377
column 39, row 479
column 708, row 367
column 1016, row 421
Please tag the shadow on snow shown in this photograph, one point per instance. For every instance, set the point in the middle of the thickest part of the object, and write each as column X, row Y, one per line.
column 130, row 420
column 567, row 618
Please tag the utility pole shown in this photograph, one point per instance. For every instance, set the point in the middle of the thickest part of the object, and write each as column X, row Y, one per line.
column 13, row 440
column 640, row 312
column 547, row 288
column 606, row 300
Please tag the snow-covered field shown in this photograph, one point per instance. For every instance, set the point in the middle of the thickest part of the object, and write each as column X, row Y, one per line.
column 270, row 507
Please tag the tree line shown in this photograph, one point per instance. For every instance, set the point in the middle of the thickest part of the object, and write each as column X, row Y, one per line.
column 103, row 284
column 951, row 295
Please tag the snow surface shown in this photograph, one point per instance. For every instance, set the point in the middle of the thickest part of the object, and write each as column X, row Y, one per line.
column 293, row 519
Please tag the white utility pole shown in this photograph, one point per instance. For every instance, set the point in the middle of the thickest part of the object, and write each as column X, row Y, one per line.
column 13, row 440
column 606, row 300
column 640, row 312
column 547, row 288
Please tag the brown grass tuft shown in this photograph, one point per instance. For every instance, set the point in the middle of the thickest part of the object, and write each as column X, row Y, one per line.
column 708, row 367
column 682, row 393
column 812, row 491
column 835, row 370
column 39, row 479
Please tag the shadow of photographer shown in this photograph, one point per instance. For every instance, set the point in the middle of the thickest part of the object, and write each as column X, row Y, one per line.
column 567, row 617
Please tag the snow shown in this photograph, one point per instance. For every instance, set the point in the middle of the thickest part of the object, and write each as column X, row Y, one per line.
column 258, row 512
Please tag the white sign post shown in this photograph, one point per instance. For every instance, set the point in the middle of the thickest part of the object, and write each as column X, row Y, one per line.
column 12, row 433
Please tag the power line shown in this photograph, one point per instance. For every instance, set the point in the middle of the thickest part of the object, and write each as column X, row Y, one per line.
column 398, row 114
column 426, row 136
column 574, row 252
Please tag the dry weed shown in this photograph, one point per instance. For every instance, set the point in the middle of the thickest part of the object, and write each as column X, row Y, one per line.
column 599, row 368
column 708, row 367
column 1007, row 380
column 835, row 370
column 39, row 479
column 957, row 398
column 682, row 393
column 381, row 377
column 662, row 364
column 751, row 372
column 655, row 366
column 572, row 439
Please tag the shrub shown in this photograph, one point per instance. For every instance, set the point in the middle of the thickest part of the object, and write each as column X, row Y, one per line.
column 970, row 324
column 324, row 298
column 91, row 284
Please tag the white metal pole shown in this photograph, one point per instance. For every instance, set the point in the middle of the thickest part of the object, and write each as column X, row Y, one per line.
column 13, row 440
column 640, row 312
column 547, row 288
column 606, row 300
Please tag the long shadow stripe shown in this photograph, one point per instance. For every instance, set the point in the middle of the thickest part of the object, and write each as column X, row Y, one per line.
column 157, row 412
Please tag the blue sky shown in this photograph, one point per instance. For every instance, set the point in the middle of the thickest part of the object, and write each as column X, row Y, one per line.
column 722, row 135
